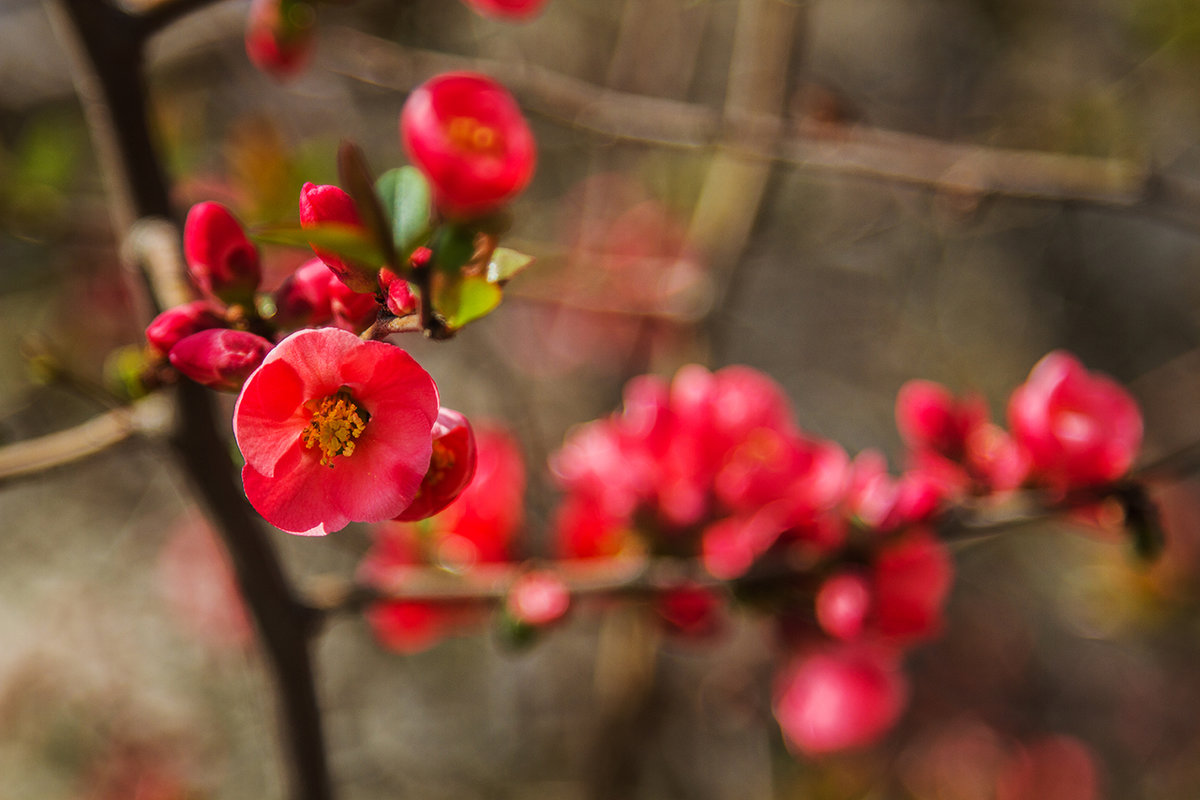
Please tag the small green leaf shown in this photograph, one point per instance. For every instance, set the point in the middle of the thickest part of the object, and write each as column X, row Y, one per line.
column 348, row 242
column 466, row 299
column 453, row 247
column 506, row 264
column 406, row 197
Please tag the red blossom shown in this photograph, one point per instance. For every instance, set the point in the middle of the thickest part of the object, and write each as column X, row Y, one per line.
column 465, row 132
column 219, row 358
column 280, row 36
column 324, row 204
column 313, row 295
column 451, row 466
column 517, row 10
column 333, row 430
column 838, row 699
column 538, row 598
column 221, row 259
column 165, row 330
column 1080, row 428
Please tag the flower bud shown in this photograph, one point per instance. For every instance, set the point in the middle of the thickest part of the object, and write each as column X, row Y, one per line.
column 313, row 295
column 515, row 10
column 465, row 132
column 219, row 358
column 451, row 466
column 222, row 261
column 538, row 599
column 165, row 330
column 400, row 298
column 325, row 204
column 280, row 36
column 840, row 699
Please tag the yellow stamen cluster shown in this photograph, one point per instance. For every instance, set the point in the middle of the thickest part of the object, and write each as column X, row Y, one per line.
column 470, row 134
column 336, row 424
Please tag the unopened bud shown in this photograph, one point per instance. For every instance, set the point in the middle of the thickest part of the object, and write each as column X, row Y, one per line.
column 220, row 358
column 221, row 258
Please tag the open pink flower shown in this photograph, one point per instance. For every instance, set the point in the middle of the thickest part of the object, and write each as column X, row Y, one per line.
column 334, row 430
column 1079, row 428
column 465, row 132
column 843, row 698
column 450, row 468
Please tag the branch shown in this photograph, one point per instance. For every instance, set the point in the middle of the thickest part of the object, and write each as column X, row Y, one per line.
column 968, row 171
column 148, row 417
column 162, row 14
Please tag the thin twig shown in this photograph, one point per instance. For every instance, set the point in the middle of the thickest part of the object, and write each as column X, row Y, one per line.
column 149, row 417
column 162, row 14
column 972, row 171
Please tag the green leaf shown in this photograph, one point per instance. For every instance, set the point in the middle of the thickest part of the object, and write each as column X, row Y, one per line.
column 464, row 300
column 506, row 264
column 406, row 197
column 347, row 241
column 453, row 247
column 355, row 177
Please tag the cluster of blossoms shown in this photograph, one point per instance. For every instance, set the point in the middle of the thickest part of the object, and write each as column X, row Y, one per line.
column 334, row 424
column 713, row 466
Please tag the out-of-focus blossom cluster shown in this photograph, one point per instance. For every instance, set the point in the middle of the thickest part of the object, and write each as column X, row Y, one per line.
column 713, row 466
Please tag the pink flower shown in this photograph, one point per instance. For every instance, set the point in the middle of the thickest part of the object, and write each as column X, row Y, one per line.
column 219, row 358
column 465, row 132
column 451, row 466
column 691, row 610
column 838, row 699
column 538, row 598
column 507, row 9
column 1079, row 428
column 931, row 418
column 334, row 430
column 910, row 582
column 221, row 259
column 165, row 330
column 406, row 627
column 280, row 36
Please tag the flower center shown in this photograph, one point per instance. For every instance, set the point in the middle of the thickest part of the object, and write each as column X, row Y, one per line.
column 337, row 422
column 468, row 133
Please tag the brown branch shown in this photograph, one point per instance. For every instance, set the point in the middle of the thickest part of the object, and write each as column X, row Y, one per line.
column 973, row 171
column 149, row 417
column 106, row 46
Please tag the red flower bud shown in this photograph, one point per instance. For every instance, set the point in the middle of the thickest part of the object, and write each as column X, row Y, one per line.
column 538, row 599
column 467, row 134
column 840, row 699
column 324, row 204
column 219, row 358
column 280, row 36
column 400, row 298
column 221, row 259
column 313, row 295
column 516, row 10
column 451, row 466
column 165, row 330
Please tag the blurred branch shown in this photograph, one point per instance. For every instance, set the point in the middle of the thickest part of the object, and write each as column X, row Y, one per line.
column 486, row 583
column 153, row 245
column 164, row 13
column 148, row 417
column 971, row 173
column 106, row 48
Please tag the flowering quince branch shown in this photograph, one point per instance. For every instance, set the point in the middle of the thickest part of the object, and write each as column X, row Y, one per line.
column 703, row 490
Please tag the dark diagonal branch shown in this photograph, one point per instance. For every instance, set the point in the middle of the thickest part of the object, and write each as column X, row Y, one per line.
column 106, row 46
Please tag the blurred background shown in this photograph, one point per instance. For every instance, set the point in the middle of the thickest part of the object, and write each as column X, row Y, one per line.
column 663, row 237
